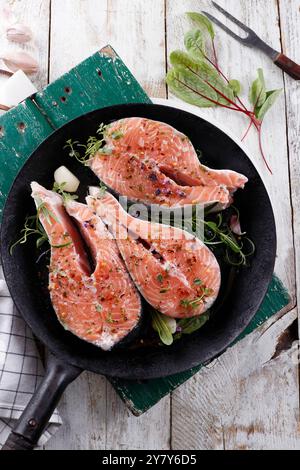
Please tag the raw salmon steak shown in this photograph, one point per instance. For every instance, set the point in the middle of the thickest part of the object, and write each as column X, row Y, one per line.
column 174, row 271
column 152, row 162
column 103, row 306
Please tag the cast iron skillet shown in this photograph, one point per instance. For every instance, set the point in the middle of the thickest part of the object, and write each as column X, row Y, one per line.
column 68, row 354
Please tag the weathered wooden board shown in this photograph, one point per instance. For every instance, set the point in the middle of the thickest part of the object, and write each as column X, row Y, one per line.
column 246, row 399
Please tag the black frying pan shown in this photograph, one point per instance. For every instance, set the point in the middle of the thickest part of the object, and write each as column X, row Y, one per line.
column 68, row 354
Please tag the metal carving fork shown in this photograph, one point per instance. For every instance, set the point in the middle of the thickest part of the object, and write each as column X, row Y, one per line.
column 252, row 40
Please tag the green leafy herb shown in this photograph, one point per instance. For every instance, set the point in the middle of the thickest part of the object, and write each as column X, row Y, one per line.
column 236, row 87
column 46, row 213
column 109, row 318
column 72, row 146
column 116, row 135
column 161, row 324
column 271, row 97
column 185, row 85
column 102, row 190
column 84, row 152
column 160, row 278
column 98, row 308
column 218, row 233
column 198, row 80
column 202, row 22
column 164, row 290
column 197, row 281
column 192, row 303
column 63, row 245
column 32, row 226
column 238, row 249
column 195, row 44
column 59, row 188
column 190, row 325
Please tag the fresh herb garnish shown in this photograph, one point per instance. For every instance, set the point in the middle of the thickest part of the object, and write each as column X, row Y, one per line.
column 160, row 278
column 102, row 190
column 63, row 245
column 197, row 281
column 84, row 152
column 192, row 303
column 196, row 78
column 32, row 226
column 237, row 248
column 187, row 326
column 164, row 290
column 59, row 188
column 109, row 318
column 98, row 308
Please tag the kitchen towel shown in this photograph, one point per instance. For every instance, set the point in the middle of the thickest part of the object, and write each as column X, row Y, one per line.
column 21, row 368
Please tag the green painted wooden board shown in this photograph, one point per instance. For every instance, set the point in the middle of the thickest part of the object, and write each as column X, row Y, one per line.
column 101, row 80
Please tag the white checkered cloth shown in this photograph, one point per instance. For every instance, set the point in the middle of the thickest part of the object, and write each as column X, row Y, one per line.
column 20, row 368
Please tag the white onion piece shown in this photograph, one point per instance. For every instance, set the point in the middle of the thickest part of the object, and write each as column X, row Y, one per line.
column 63, row 175
column 171, row 324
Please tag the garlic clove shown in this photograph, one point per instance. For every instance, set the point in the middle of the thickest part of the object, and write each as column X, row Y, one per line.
column 19, row 33
column 20, row 61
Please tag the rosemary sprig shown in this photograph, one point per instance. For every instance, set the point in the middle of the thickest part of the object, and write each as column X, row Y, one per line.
column 238, row 248
column 32, row 226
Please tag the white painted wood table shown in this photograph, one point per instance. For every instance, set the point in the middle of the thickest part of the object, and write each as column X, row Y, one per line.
column 249, row 398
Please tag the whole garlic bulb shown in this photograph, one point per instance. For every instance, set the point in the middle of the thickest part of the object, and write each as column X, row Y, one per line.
column 20, row 61
column 19, row 32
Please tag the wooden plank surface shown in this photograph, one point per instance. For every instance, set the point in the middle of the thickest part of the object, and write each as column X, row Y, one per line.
column 290, row 36
column 239, row 403
column 136, row 31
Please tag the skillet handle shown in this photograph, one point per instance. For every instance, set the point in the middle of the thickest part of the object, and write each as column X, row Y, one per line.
column 36, row 415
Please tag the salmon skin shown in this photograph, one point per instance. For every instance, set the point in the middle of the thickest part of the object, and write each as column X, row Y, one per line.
column 103, row 306
column 174, row 271
column 151, row 162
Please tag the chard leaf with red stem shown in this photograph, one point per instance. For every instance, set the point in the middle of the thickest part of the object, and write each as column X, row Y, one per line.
column 195, row 44
column 236, row 86
column 203, row 23
column 197, row 79
column 257, row 94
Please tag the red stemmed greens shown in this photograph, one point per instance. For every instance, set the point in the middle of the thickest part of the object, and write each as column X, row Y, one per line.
column 196, row 78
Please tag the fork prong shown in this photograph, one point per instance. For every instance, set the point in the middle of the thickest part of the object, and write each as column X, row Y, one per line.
column 233, row 19
column 225, row 28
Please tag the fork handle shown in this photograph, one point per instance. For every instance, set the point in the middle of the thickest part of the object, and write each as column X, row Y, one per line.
column 288, row 66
